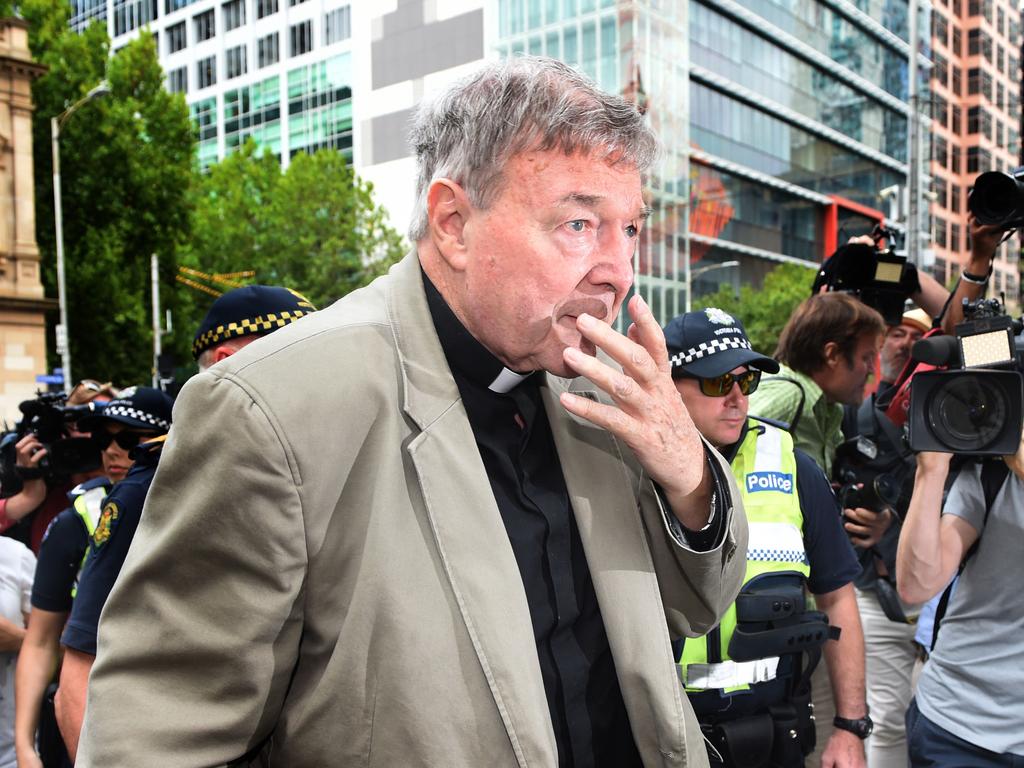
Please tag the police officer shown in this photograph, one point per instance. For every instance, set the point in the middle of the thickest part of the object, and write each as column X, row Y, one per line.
column 236, row 319
column 750, row 695
column 138, row 413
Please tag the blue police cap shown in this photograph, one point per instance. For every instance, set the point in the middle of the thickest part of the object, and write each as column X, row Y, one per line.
column 254, row 310
column 711, row 342
column 143, row 408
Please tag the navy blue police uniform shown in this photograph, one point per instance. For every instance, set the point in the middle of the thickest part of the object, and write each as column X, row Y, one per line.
column 60, row 555
column 114, row 532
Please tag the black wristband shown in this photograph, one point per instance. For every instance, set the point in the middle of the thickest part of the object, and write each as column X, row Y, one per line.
column 29, row 473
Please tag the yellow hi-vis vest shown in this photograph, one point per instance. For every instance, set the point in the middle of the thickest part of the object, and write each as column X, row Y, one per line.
column 765, row 470
column 88, row 506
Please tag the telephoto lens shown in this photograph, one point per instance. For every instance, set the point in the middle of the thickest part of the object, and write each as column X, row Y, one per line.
column 998, row 198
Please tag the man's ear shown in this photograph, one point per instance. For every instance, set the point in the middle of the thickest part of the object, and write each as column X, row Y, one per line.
column 833, row 355
column 448, row 209
column 221, row 352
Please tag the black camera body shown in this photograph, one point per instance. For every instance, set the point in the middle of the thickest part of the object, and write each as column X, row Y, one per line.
column 47, row 417
column 998, row 198
column 876, row 276
column 976, row 406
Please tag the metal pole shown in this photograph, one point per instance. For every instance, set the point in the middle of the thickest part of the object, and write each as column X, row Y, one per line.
column 914, row 148
column 63, row 342
column 154, row 276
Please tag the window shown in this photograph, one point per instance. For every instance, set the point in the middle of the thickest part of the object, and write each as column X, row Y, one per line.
column 942, row 192
column 301, row 38
column 233, row 14
column 1000, row 60
column 132, row 14
column 177, row 80
column 1000, row 21
column 206, row 25
column 979, row 81
column 940, row 232
column 979, row 43
column 265, row 8
column 320, row 106
column 979, row 121
column 206, row 71
column 940, row 151
column 177, row 38
column 204, row 115
column 235, row 62
column 978, row 160
column 958, row 42
column 254, row 110
column 957, row 114
column 981, row 8
column 940, row 109
column 940, row 28
column 337, row 25
column 954, row 198
column 295, row 2
column 954, row 237
column 954, row 159
column 266, row 50
column 958, row 81
column 940, row 70
column 1001, row 97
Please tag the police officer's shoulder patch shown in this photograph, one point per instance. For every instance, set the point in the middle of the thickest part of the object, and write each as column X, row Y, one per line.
column 105, row 526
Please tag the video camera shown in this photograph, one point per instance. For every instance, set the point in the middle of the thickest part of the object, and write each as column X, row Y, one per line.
column 877, row 276
column 976, row 406
column 47, row 417
column 998, row 198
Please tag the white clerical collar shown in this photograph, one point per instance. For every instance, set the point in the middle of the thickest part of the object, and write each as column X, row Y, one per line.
column 507, row 380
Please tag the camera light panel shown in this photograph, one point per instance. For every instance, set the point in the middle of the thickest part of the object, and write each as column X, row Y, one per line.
column 986, row 349
column 888, row 271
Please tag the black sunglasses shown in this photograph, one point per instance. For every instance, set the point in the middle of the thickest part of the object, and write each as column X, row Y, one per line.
column 720, row 386
column 127, row 440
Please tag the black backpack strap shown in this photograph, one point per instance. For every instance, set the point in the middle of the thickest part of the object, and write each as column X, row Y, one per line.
column 993, row 476
column 791, row 427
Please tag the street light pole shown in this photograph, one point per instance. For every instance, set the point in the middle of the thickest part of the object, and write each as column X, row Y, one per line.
column 63, row 345
column 694, row 273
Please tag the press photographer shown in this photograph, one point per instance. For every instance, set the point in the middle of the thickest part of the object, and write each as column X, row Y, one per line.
column 45, row 456
column 969, row 696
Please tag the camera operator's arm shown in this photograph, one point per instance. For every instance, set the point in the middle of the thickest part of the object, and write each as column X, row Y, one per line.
column 984, row 240
column 931, row 296
column 931, row 544
column 29, row 452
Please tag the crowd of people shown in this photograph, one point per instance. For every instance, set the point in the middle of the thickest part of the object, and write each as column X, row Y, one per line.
column 457, row 519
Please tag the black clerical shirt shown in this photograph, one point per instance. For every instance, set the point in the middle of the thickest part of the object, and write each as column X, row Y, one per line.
column 506, row 413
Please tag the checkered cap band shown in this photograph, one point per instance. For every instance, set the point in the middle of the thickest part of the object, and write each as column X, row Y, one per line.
column 116, row 409
column 247, row 327
column 707, row 349
column 769, row 555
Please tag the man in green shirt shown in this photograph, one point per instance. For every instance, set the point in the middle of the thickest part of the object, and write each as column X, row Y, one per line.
column 827, row 350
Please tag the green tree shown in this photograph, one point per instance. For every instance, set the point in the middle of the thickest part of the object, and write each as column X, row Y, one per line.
column 765, row 311
column 313, row 228
column 126, row 168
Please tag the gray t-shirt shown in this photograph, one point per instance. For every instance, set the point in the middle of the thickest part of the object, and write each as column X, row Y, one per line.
column 973, row 683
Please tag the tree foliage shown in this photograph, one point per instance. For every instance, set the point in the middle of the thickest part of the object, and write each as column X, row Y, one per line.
column 313, row 228
column 765, row 311
column 126, row 165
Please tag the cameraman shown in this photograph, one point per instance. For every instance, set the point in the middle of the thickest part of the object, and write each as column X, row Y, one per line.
column 967, row 710
column 29, row 452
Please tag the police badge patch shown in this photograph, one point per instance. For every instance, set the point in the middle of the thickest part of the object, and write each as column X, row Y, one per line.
column 106, row 523
column 718, row 316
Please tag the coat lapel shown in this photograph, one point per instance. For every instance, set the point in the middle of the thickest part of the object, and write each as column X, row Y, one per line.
column 604, row 497
column 467, row 527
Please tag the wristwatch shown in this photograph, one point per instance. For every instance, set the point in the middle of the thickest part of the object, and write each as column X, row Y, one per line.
column 861, row 728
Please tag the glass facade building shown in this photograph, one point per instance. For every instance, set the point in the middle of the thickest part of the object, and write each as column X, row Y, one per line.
column 782, row 120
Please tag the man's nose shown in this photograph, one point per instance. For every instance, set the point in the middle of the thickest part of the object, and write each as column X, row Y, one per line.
column 614, row 256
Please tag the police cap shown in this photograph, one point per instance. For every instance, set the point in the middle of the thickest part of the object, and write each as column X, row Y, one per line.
column 254, row 310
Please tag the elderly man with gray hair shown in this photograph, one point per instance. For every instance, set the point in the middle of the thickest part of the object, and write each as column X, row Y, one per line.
column 430, row 525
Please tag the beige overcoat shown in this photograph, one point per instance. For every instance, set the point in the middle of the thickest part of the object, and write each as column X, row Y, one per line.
column 321, row 576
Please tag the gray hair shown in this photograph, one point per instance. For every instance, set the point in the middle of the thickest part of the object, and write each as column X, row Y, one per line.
column 469, row 132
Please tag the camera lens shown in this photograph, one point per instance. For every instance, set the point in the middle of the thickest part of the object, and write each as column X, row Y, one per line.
column 965, row 413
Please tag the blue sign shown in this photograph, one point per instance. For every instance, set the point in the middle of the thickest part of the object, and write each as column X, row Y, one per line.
column 47, row 378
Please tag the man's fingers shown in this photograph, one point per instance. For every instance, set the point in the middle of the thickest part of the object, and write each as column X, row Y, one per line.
column 606, row 416
column 632, row 356
column 621, row 387
column 648, row 332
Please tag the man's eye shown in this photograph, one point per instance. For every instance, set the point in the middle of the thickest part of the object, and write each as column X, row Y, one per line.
column 577, row 225
column 632, row 230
